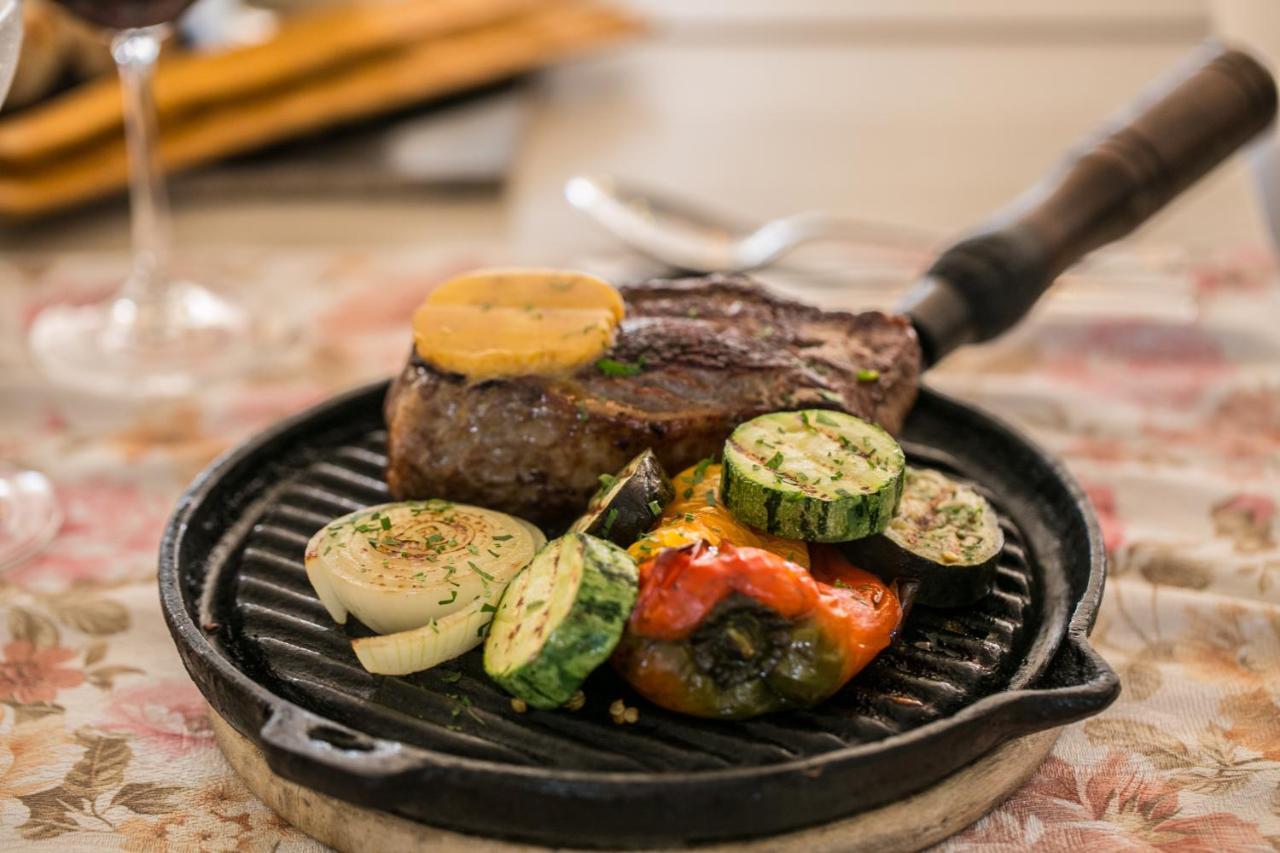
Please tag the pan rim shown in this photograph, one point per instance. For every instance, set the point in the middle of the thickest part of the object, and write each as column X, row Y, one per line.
column 184, row 629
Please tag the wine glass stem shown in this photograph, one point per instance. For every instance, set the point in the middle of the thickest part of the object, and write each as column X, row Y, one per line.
column 135, row 52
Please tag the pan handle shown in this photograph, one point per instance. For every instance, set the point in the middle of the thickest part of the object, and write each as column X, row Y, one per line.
column 335, row 759
column 1180, row 130
column 1077, row 684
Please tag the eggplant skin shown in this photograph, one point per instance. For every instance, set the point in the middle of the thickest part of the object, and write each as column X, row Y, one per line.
column 955, row 585
column 629, row 512
column 712, row 352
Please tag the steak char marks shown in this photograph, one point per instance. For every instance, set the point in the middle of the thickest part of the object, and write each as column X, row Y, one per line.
column 712, row 352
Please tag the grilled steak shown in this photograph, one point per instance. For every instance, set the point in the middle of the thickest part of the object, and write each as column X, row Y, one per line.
column 712, row 353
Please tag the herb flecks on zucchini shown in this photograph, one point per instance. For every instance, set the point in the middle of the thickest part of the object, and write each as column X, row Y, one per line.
column 560, row 619
column 628, row 504
column 945, row 535
column 817, row 475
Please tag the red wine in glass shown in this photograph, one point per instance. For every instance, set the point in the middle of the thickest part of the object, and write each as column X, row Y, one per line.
column 127, row 14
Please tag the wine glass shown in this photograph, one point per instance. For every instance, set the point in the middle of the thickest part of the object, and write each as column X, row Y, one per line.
column 29, row 513
column 159, row 335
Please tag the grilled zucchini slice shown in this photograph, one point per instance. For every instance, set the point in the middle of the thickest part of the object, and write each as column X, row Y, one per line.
column 816, row 475
column 560, row 618
column 628, row 504
column 945, row 535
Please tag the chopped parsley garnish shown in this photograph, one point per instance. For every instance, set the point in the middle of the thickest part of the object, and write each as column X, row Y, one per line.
column 655, row 507
column 700, row 470
column 775, row 461
column 688, row 516
column 386, row 523
column 614, row 367
column 610, row 517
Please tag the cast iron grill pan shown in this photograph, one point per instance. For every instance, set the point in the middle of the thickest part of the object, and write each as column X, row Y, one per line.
column 445, row 746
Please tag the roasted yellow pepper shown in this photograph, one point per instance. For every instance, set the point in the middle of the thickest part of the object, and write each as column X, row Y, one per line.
column 696, row 515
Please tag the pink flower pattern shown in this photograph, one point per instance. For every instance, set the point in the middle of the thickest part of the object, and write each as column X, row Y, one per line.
column 170, row 715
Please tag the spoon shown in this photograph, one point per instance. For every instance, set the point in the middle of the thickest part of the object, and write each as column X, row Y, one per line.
column 684, row 236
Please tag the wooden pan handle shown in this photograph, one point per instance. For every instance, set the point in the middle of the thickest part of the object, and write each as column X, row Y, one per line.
column 1107, row 187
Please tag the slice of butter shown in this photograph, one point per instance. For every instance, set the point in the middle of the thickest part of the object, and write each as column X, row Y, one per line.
column 515, row 322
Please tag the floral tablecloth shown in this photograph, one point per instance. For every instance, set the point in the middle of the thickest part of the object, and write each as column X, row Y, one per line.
column 1170, row 416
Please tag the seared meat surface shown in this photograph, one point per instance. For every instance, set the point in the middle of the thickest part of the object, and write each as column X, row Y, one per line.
column 712, row 352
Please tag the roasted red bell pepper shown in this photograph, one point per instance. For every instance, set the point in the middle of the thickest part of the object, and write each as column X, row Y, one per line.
column 737, row 632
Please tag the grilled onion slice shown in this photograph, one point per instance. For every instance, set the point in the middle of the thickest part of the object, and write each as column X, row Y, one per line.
column 422, row 648
column 399, row 566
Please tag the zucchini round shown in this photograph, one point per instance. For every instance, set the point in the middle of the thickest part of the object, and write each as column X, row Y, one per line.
column 816, row 475
column 628, row 504
column 945, row 535
column 560, row 618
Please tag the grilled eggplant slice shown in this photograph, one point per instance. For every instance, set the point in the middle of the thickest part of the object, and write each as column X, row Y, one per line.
column 945, row 535
column 628, row 504
column 816, row 475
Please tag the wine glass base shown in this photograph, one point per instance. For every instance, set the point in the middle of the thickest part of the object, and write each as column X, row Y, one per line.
column 29, row 516
column 122, row 349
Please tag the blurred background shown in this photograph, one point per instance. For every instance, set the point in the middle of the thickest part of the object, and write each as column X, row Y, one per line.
column 462, row 127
